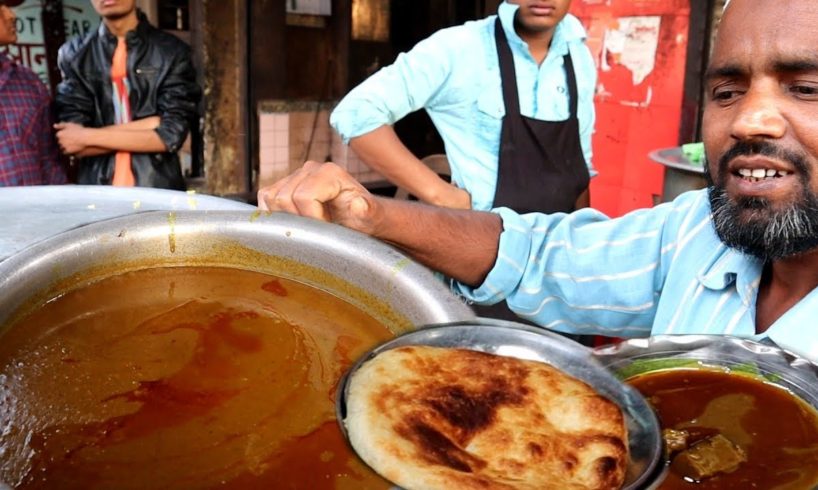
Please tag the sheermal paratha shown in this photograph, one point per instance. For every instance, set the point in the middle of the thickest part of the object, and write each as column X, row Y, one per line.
column 432, row 418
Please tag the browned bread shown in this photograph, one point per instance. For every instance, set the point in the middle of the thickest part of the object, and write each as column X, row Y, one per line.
column 432, row 418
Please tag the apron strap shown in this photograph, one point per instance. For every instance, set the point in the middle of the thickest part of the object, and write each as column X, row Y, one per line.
column 507, row 73
column 571, row 78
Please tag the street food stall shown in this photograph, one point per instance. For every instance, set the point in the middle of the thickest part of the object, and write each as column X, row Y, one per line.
column 160, row 339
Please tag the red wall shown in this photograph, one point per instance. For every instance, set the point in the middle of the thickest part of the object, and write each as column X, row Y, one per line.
column 634, row 118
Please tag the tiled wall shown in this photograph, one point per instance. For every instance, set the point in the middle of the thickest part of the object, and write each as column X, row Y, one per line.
column 292, row 132
column 274, row 147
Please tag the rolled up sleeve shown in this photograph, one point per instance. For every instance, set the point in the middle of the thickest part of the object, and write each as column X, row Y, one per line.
column 579, row 273
column 410, row 83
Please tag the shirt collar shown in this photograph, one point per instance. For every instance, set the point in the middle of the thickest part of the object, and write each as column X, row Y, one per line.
column 732, row 268
column 569, row 30
column 791, row 330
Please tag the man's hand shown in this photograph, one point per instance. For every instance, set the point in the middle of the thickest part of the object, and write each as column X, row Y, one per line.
column 72, row 137
column 461, row 244
column 455, row 198
column 323, row 191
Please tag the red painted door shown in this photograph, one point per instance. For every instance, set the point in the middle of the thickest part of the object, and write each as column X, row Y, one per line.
column 640, row 48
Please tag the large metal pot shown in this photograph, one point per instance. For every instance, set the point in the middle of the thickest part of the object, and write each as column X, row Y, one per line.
column 241, row 432
column 34, row 213
column 354, row 267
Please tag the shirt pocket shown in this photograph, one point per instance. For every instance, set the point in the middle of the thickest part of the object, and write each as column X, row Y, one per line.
column 491, row 109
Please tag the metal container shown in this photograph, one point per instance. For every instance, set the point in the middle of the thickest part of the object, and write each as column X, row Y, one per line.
column 524, row 342
column 365, row 272
column 765, row 361
column 34, row 213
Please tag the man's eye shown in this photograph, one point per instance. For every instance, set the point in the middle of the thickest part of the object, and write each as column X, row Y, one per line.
column 808, row 90
column 724, row 95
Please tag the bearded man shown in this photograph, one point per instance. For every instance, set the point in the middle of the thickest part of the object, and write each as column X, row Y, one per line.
column 739, row 258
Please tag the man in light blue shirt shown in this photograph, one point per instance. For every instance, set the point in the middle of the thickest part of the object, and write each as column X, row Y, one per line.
column 455, row 75
column 739, row 258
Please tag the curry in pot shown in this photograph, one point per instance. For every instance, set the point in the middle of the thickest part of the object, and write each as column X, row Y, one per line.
column 189, row 377
column 731, row 431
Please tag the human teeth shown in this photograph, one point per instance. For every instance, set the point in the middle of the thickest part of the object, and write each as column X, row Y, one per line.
column 760, row 173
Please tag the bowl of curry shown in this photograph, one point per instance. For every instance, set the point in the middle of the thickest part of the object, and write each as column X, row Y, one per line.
column 734, row 413
column 195, row 350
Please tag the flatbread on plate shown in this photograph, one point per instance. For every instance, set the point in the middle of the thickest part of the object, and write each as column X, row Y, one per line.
column 431, row 418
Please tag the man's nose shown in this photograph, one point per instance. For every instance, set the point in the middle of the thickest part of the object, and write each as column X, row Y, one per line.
column 759, row 114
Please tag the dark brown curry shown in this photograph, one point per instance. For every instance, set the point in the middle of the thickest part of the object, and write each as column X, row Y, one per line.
column 732, row 431
column 188, row 377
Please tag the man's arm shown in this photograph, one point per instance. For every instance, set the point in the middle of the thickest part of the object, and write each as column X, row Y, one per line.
column 74, row 102
column 52, row 167
column 363, row 118
column 432, row 235
column 383, row 151
column 75, row 111
column 136, row 137
column 578, row 273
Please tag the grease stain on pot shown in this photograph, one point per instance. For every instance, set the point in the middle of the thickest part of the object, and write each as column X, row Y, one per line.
column 172, row 234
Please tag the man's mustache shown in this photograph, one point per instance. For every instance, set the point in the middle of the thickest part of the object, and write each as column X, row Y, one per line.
column 763, row 148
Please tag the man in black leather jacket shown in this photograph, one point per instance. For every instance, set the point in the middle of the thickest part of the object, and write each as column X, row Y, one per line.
column 162, row 94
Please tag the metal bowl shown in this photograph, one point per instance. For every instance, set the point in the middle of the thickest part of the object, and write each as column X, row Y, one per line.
column 765, row 361
column 529, row 343
column 359, row 269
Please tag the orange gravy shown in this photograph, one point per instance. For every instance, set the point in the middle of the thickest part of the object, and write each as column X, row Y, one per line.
column 191, row 377
column 778, row 431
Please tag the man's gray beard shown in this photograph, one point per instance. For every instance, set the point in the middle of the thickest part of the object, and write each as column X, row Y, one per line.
column 768, row 234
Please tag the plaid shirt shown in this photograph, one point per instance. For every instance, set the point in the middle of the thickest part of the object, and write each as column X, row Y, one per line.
column 28, row 149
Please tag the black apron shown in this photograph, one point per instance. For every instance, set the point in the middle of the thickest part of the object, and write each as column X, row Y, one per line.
column 541, row 166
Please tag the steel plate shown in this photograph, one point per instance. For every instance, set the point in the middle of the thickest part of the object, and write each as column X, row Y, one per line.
column 529, row 343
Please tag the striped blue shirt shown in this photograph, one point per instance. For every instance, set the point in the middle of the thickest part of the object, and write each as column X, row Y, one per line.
column 654, row 271
column 454, row 74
